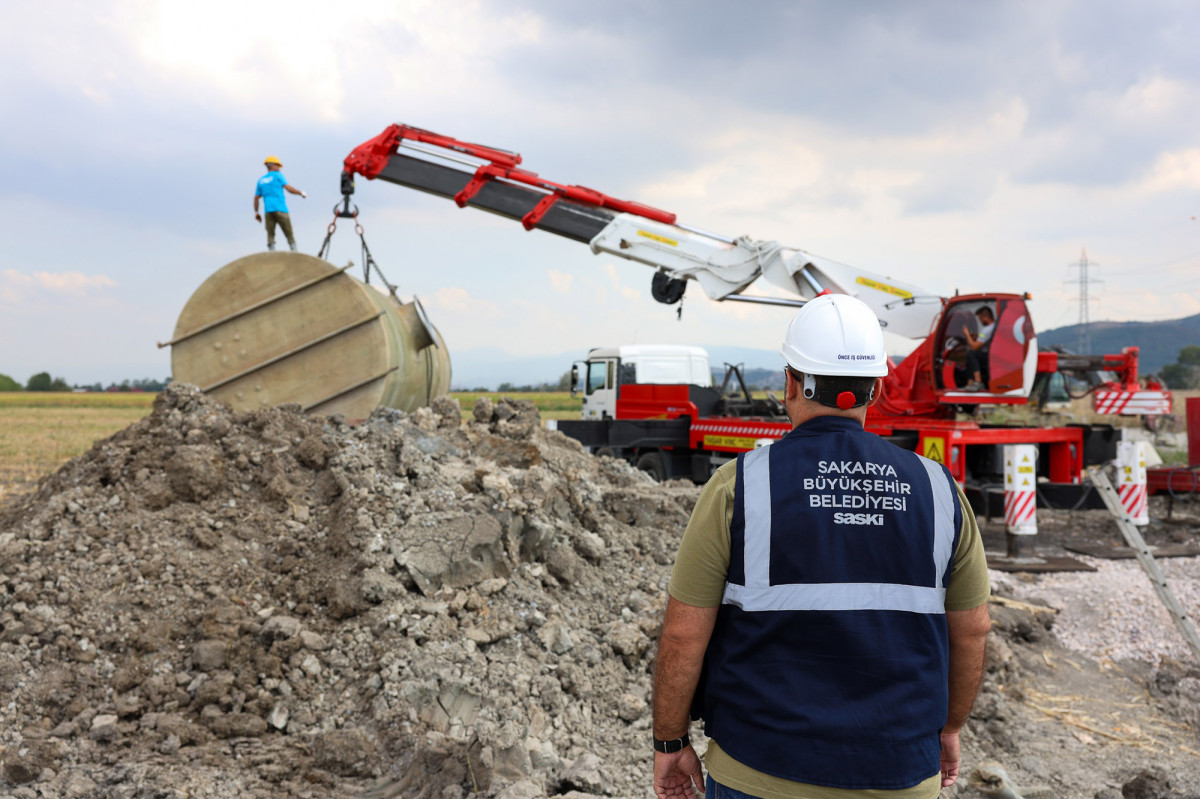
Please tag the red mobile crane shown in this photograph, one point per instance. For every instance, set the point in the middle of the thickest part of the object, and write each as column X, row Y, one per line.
column 687, row 429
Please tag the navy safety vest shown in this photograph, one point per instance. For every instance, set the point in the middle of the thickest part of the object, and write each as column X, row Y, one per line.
column 828, row 663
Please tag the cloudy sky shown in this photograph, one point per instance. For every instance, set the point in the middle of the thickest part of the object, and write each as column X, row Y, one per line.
column 968, row 146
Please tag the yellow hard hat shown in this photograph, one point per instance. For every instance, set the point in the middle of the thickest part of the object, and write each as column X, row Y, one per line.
column 273, row 160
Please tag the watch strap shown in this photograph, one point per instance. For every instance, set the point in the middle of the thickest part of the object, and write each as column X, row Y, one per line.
column 673, row 745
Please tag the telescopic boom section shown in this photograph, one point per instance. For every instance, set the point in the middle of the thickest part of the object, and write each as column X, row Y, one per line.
column 371, row 159
column 494, row 181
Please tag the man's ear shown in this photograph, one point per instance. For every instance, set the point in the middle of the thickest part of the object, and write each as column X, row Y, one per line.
column 791, row 386
column 876, row 391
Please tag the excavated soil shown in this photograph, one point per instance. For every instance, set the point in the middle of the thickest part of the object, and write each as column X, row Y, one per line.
column 218, row 604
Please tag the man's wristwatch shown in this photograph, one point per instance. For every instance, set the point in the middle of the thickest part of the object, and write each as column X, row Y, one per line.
column 674, row 745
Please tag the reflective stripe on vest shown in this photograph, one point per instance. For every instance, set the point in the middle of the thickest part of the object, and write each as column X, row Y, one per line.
column 759, row 595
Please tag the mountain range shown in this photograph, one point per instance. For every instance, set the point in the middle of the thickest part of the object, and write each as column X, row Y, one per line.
column 1160, row 342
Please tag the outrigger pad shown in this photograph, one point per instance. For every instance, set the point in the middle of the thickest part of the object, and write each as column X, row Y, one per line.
column 1114, row 552
column 1038, row 564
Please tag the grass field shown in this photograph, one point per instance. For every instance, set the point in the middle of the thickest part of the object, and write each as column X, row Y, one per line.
column 41, row 431
column 550, row 404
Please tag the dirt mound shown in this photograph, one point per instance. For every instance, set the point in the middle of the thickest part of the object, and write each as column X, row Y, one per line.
column 271, row 604
column 216, row 604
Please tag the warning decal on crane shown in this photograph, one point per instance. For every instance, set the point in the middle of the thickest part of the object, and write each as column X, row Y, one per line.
column 658, row 238
column 934, row 448
column 730, row 442
column 884, row 287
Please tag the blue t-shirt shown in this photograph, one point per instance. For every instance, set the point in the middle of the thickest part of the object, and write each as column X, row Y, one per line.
column 270, row 188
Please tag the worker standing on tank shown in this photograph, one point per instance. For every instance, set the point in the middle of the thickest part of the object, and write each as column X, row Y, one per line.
column 827, row 612
column 271, row 187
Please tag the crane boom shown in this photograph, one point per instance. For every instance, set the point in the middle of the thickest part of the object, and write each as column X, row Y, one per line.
column 494, row 181
column 922, row 396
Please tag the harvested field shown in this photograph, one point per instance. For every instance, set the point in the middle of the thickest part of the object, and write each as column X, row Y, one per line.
column 40, row 431
column 214, row 604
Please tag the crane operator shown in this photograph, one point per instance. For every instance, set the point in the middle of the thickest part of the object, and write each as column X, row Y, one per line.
column 827, row 612
column 977, row 348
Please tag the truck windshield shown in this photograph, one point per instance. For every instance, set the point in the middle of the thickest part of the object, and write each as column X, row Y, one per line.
column 599, row 375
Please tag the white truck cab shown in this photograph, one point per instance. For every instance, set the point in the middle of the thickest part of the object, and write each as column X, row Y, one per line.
column 606, row 368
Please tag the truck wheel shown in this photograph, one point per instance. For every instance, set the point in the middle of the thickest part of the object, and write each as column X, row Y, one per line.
column 652, row 463
column 605, row 452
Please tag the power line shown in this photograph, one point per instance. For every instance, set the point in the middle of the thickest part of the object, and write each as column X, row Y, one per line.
column 1084, row 342
column 1141, row 270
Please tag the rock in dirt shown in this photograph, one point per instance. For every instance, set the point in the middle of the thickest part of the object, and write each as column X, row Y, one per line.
column 1152, row 783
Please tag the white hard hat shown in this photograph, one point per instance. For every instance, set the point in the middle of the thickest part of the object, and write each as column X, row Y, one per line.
column 836, row 335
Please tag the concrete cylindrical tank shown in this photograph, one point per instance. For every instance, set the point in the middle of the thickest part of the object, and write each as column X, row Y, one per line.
column 284, row 327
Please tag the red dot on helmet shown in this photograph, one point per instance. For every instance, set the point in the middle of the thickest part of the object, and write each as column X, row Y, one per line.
column 845, row 400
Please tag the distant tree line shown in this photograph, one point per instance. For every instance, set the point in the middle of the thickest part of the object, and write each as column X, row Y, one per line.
column 563, row 384
column 42, row 381
column 1185, row 372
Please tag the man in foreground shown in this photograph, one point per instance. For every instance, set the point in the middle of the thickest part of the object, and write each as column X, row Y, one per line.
column 271, row 187
column 828, row 607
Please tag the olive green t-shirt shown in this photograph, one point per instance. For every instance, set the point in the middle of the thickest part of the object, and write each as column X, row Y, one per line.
column 698, row 579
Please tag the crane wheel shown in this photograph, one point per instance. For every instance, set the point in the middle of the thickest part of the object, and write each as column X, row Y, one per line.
column 652, row 464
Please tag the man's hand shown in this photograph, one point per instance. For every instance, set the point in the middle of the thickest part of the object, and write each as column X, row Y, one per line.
column 678, row 774
column 303, row 195
column 949, row 758
column 257, row 216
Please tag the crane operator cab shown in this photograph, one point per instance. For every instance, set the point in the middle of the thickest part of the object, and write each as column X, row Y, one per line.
column 984, row 347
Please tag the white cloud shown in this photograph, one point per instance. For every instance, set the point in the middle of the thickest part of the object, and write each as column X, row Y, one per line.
column 20, row 287
column 72, row 282
column 613, row 275
column 455, row 300
column 1153, row 98
column 1173, row 171
column 276, row 56
column 560, row 281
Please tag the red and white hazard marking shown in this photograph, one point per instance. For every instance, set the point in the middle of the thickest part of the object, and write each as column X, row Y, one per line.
column 1131, row 482
column 1133, row 502
column 1020, row 489
column 1020, row 510
column 1131, row 403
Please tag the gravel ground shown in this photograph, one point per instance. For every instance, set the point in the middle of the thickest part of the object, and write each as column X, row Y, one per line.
column 1129, row 623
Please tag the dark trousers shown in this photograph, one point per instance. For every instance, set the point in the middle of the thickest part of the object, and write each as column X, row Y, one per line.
column 977, row 361
column 284, row 221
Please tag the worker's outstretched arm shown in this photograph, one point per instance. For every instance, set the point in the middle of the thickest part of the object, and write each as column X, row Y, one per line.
column 968, row 641
column 293, row 189
column 685, row 633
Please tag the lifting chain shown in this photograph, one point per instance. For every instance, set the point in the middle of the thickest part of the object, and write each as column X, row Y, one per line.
column 368, row 261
